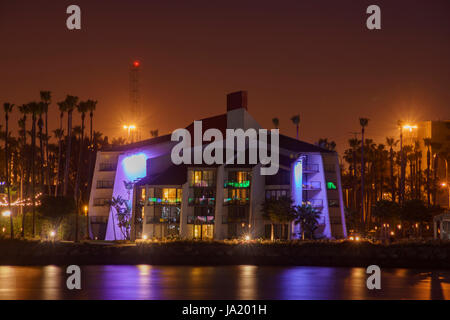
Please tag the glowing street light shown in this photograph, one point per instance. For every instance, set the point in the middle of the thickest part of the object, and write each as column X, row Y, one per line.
column 6, row 213
column 85, row 208
column 130, row 128
column 410, row 127
column 52, row 234
column 145, row 237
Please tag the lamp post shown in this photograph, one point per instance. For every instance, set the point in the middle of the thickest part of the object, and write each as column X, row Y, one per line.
column 446, row 184
column 130, row 129
column 86, row 213
column 409, row 127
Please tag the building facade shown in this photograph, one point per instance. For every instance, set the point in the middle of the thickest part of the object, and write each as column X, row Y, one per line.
column 213, row 201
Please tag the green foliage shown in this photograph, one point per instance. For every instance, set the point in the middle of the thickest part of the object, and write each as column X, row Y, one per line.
column 279, row 210
column 387, row 211
column 123, row 215
column 415, row 211
column 55, row 209
column 308, row 218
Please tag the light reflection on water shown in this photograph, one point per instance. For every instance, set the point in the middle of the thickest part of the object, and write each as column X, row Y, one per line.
column 220, row 282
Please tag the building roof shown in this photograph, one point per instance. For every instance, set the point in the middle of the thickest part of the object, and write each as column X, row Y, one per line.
column 173, row 176
column 300, row 146
column 139, row 144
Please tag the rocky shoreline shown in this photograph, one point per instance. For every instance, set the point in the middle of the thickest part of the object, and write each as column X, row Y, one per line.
column 431, row 254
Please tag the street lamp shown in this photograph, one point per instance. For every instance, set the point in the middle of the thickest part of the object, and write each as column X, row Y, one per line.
column 130, row 128
column 6, row 213
column 409, row 127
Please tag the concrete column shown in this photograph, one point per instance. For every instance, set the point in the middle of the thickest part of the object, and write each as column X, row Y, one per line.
column 184, row 212
column 219, row 233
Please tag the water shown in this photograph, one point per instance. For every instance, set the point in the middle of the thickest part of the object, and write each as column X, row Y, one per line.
column 223, row 282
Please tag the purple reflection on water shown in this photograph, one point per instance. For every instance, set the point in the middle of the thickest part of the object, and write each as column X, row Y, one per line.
column 220, row 282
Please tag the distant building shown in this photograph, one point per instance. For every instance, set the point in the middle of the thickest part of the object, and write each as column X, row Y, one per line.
column 439, row 133
column 213, row 201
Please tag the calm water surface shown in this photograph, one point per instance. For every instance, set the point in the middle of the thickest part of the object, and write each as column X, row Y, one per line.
column 223, row 282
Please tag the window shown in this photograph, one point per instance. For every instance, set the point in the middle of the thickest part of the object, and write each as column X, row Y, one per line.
column 333, row 203
column 276, row 194
column 107, row 166
column 238, row 179
column 237, row 196
column 105, row 184
column 99, row 202
column 202, row 178
column 166, row 196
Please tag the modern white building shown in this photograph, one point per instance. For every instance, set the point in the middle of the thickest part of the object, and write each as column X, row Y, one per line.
column 213, row 201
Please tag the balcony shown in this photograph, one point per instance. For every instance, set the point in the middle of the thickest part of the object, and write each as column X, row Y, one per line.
column 313, row 186
column 236, row 201
column 105, row 184
column 202, row 201
column 315, row 203
column 108, row 166
column 161, row 220
column 235, row 184
column 200, row 219
column 164, row 201
column 311, row 168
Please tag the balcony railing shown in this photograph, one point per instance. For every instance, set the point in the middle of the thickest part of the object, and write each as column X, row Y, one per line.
column 315, row 203
column 200, row 219
column 313, row 185
column 105, row 184
column 311, row 168
column 235, row 184
column 164, row 201
column 157, row 220
column 236, row 201
column 202, row 201
column 108, row 166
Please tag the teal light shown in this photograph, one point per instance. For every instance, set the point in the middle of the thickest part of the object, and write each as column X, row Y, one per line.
column 331, row 186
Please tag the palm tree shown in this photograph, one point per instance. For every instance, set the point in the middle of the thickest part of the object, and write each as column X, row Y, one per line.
column 82, row 108
column 62, row 108
column 276, row 123
column 391, row 142
column 40, row 123
column 154, row 133
column 24, row 110
column 308, row 218
column 296, row 121
column 46, row 98
column 71, row 103
column 92, row 105
column 8, row 107
column 278, row 211
column 427, row 142
column 34, row 109
column 435, row 148
column 363, row 122
column 354, row 143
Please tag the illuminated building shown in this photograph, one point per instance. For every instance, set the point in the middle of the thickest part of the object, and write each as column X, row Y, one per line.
column 213, row 201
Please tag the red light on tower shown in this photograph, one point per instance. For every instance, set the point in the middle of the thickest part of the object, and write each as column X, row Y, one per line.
column 136, row 64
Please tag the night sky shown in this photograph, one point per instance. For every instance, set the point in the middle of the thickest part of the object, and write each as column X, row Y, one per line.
column 315, row 58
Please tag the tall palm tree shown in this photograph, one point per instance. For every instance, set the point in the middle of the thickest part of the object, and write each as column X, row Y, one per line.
column 276, row 123
column 435, row 149
column 40, row 123
column 296, row 121
column 24, row 110
column 391, row 142
column 92, row 105
column 427, row 142
column 363, row 122
column 354, row 143
column 62, row 109
column 34, row 109
column 82, row 108
column 71, row 103
column 46, row 98
column 8, row 107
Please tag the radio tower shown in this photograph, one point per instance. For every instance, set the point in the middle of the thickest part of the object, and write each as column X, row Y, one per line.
column 135, row 99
